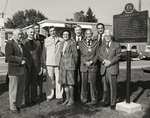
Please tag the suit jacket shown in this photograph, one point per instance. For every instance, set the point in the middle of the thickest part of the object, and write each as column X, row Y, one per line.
column 113, row 54
column 33, row 54
column 86, row 55
column 68, row 59
column 77, row 45
column 14, row 57
column 96, row 37
column 40, row 38
column 51, row 51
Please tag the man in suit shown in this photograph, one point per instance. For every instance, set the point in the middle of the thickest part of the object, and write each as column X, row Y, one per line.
column 39, row 38
column 88, row 67
column 109, row 55
column 51, row 51
column 33, row 54
column 78, row 37
column 100, row 27
column 16, row 70
column 37, row 35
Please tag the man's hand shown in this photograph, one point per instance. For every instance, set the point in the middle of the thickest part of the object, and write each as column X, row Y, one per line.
column 23, row 62
column 106, row 62
column 44, row 71
column 88, row 63
column 41, row 71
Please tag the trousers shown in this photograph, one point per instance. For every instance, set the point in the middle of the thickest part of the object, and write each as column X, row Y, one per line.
column 53, row 74
column 16, row 91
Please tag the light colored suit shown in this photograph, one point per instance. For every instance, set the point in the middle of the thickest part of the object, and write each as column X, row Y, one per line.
column 51, row 52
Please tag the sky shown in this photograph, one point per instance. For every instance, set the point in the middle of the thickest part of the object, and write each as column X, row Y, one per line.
column 62, row 9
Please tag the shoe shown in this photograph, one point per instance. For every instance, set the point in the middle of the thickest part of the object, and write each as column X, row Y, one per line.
column 51, row 96
column 15, row 110
column 84, row 101
column 113, row 107
column 65, row 102
column 71, row 102
column 60, row 101
column 93, row 102
column 18, row 109
column 104, row 103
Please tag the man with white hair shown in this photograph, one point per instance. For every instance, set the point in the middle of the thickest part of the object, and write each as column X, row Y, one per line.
column 109, row 55
column 100, row 27
column 34, row 56
column 16, row 70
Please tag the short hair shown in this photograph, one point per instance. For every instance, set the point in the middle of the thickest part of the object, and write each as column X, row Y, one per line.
column 107, row 33
column 100, row 24
column 77, row 26
column 36, row 24
column 68, row 32
column 89, row 30
column 51, row 27
column 31, row 28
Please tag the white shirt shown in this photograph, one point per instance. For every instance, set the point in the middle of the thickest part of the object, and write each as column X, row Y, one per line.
column 78, row 38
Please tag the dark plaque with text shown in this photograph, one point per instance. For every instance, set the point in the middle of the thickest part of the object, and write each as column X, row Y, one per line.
column 131, row 26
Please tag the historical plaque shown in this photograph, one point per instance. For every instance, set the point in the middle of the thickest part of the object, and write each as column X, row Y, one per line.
column 131, row 26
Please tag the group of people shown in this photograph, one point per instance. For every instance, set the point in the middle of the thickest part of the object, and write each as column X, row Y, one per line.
column 71, row 64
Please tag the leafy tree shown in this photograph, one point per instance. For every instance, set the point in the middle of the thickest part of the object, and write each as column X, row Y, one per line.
column 79, row 16
column 24, row 18
column 69, row 19
column 90, row 17
column 82, row 17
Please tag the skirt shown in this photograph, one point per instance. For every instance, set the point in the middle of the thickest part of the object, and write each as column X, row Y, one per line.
column 67, row 77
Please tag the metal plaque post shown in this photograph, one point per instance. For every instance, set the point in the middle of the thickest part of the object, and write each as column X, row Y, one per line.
column 128, row 73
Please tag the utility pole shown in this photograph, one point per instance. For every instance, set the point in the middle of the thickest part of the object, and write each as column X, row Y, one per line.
column 140, row 2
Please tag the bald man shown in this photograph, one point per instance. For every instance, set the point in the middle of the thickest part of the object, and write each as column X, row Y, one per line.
column 33, row 55
column 16, row 70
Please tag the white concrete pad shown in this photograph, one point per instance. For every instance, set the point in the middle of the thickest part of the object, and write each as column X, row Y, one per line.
column 128, row 107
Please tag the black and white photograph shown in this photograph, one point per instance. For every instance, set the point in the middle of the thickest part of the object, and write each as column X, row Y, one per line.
column 74, row 58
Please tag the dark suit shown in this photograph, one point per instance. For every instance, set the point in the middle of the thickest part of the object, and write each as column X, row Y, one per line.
column 88, row 73
column 110, row 73
column 33, row 54
column 41, row 39
column 98, row 37
column 16, row 71
column 77, row 73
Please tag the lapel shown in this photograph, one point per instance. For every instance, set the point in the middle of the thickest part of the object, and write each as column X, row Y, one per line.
column 17, row 47
column 111, row 48
column 67, row 47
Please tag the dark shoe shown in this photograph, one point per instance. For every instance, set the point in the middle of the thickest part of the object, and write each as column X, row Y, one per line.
column 18, row 109
column 65, row 102
column 113, row 107
column 84, row 101
column 60, row 101
column 15, row 111
column 71, row 102
column 93, row 102
column 104, row 103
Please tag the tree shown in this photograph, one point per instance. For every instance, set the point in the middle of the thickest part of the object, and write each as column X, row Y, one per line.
column 90, row 17
column 24, row 18
column 79, row 16
column 82, row 17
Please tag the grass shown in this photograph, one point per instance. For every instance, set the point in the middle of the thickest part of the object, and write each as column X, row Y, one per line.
column 140, row 87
